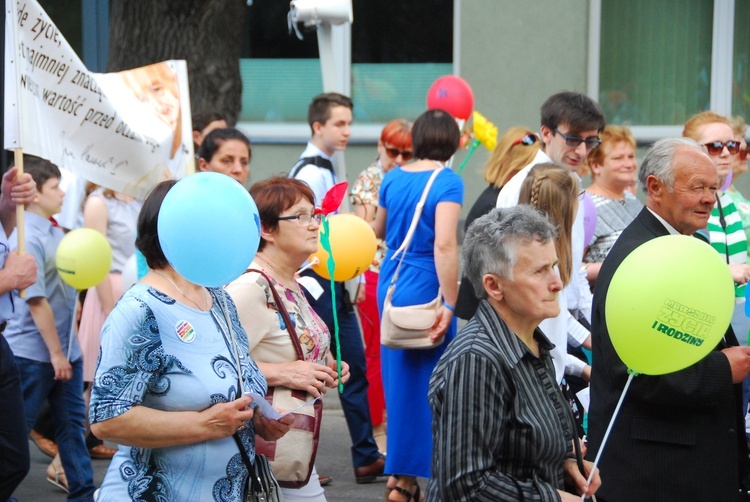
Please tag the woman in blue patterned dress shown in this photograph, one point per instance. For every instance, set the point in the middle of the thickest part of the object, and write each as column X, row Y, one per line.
column 431, row 263
column 167, row 387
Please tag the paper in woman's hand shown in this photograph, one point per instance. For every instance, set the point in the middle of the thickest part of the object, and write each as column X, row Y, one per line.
column 269, row 411
column 265, row 407
column 311, row 401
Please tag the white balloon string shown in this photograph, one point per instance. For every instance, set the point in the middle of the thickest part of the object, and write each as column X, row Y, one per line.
column 609, row 429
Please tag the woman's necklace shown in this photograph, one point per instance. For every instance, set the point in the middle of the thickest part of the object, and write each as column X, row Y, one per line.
column 205, row 307
column 276, row 274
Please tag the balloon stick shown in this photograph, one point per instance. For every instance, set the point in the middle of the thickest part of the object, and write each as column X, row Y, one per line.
column 325, row 241
column 474, row 145
column 609, row 428
column 311, row 263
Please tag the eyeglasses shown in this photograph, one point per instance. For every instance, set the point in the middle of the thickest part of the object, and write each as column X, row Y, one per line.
column 574, row 141
column 527, row 140
column 395, row 152
column 716, row 147
column 303, row 218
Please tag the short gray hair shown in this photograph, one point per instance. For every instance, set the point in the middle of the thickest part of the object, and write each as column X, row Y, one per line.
column 659, row 161
column 491, row 241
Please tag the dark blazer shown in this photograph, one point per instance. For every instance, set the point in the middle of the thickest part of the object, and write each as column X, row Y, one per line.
column 678, row 437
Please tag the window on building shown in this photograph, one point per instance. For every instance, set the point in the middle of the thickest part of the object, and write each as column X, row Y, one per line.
column 394, row 60
column 741, row 60
column 656, row 59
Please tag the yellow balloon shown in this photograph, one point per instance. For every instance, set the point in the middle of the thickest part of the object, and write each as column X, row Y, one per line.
column 668, row 305
column 83, row 258
column 353, row 247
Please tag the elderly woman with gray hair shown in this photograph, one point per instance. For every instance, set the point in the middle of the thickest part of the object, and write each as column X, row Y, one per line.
column 511, row 440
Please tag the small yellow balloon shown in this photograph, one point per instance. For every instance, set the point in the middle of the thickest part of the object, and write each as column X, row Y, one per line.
column 83, row 258
column 353, row 245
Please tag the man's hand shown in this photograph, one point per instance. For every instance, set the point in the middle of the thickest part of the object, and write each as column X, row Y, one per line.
column 62, row 367
column 16, row 191
column 739, row 362
column 20, row 270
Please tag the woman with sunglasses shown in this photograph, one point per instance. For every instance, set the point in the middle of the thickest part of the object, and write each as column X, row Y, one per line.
column 289, row 235
column 725, row 232
column 394, row 149
column 613, row 173
column 515, row 149
column 739, row 167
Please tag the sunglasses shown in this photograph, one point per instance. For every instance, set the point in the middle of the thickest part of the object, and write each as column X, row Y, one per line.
column 716, row 147
column 527, row 140
column 395, row 152
column 574, row 141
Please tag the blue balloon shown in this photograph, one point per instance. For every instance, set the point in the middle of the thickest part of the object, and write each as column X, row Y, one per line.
column 209, row 228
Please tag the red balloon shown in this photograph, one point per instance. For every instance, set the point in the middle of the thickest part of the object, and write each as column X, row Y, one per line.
column 452, row 94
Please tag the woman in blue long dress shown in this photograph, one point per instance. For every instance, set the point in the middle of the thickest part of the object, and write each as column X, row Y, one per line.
column 431, row 263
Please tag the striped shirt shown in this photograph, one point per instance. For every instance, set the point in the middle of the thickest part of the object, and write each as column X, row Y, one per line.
column 501, row 428
column 612, row 216
column 728, row 237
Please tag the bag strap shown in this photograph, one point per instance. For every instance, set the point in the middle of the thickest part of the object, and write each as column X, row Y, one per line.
column 414, row 221
column 255, row 483
column 316, row 160
column 284, row 313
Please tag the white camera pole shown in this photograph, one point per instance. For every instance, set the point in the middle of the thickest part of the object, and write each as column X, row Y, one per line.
column 335, row 49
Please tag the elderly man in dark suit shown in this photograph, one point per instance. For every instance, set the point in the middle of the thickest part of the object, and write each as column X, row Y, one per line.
column 680, row 436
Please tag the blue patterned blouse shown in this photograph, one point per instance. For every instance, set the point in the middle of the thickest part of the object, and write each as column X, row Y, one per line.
column 159, row 353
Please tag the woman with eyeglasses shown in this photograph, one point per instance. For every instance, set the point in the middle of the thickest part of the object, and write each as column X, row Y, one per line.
column 613, row 172
column 394, row 149
column 289, row 235
column 515, row 149
column 725, row 232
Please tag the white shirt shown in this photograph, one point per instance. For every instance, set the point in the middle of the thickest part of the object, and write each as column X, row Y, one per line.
column 319, row 179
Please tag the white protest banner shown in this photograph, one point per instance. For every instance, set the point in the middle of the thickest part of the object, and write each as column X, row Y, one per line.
column 125, row 131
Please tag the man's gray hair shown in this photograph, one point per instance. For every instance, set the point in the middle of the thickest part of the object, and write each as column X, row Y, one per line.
column 658, row 161
column 491, row 241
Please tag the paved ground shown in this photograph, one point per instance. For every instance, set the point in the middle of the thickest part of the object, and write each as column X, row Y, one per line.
column 334, row 459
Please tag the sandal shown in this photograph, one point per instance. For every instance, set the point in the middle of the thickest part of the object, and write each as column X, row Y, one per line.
column 416, row 495
column 391, row 484
column 57, row 478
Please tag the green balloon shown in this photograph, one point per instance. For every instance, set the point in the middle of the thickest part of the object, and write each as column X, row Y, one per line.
column 668, row 305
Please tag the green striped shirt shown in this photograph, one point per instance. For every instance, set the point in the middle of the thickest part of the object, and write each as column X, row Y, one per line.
column 728, row 239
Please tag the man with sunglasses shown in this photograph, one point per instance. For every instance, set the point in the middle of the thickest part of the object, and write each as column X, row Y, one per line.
column 571, row 123
column 330, row 119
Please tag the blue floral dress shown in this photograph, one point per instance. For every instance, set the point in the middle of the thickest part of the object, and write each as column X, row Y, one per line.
column 159, row 353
